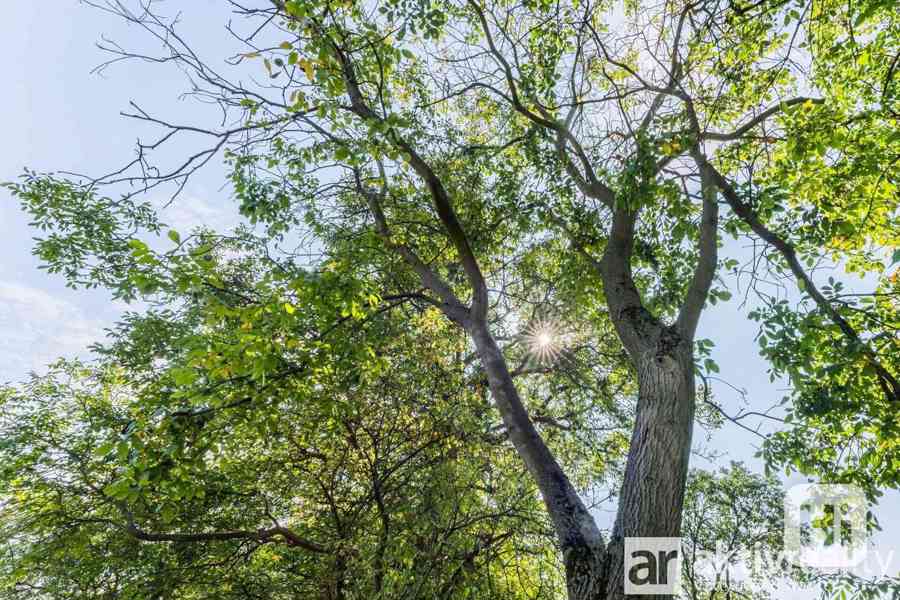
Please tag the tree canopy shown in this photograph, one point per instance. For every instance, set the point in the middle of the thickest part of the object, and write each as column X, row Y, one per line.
column 463, row 311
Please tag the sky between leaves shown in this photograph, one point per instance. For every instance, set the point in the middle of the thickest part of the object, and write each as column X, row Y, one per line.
column 57, row 115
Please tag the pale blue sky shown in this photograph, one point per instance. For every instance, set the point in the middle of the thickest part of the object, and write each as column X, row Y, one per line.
column 57, row 116
column 60, row 117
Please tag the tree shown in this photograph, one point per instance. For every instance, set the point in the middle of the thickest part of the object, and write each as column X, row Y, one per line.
column 732, row 539
column 357, row 490
column 501, row 164
column 274, row 433
column 732, row 529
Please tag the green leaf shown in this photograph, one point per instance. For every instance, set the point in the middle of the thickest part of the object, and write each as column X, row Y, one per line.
column 183, row 376
column 104, row 449
column 167, row 514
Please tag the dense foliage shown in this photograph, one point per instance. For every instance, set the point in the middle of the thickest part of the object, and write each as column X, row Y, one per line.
column 462, row 312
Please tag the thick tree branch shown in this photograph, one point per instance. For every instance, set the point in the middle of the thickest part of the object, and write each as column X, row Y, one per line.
column 635, row 325
column 576, row 529
column 440, row 197
column 705, row 271
column 451, row 305
column 587, row 182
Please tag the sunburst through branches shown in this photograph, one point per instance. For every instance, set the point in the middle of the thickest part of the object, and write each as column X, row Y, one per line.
column 545, row 340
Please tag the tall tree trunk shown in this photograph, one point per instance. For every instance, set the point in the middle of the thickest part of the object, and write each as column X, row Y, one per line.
column 652, row 495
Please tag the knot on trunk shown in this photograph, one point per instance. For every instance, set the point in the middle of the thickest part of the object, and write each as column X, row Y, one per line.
column 665, row 367
column 668, row 344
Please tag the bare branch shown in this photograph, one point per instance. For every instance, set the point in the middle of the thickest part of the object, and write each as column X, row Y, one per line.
column 757, row 120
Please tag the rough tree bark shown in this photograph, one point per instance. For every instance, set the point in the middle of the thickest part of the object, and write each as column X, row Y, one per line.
column 653, row 489
column 652, row 493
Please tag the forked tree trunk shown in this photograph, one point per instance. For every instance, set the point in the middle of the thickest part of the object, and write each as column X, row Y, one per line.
column 652, row 494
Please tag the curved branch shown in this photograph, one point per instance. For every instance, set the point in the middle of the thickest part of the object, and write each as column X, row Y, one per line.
column 587, row 182
column 740, row 131
column 451, row 306
column 636, row 326
column 888, row 381
column 440, row 197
